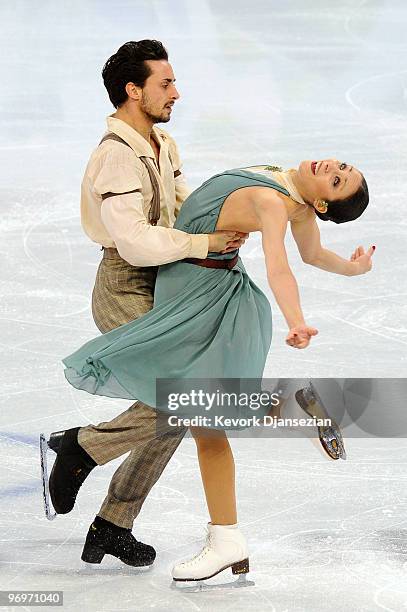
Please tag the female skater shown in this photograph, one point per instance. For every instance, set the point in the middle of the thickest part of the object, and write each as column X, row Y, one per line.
column 211, row 321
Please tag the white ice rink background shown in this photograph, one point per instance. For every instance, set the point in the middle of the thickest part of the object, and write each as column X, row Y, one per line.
column 261, row 82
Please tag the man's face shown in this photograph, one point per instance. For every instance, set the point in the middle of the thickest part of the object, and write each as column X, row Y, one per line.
column 159, row 93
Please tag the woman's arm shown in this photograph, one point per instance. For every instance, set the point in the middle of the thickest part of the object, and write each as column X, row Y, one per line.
column 273, row 220
column 306, row 235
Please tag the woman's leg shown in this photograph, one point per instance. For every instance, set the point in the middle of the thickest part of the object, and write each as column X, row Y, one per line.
column 225, row 545
column 218, row 474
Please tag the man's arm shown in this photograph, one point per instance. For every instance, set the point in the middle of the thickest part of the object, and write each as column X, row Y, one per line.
column 306, row 235
column 118, row 181
column 142, row 244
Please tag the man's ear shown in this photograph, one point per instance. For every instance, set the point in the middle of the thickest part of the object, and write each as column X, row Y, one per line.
column 133, row 91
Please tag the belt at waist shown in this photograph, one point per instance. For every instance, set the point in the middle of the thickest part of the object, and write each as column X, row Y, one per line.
column 227, row 264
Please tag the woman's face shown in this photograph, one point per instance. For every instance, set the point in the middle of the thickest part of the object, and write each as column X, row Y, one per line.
column 328, row 180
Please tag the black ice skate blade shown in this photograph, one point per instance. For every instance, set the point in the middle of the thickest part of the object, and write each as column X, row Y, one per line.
column 49, row 511
column 197, row 586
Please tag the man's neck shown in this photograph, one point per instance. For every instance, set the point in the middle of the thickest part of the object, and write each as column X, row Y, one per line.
column 137, row 121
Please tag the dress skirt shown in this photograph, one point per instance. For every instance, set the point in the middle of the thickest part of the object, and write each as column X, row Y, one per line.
column 206, row 323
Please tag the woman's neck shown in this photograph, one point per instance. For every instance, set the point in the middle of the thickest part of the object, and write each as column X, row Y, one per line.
column 298, row 185
column 291, row 179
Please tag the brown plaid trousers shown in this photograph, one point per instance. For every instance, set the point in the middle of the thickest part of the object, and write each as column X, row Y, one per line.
column 123, row 292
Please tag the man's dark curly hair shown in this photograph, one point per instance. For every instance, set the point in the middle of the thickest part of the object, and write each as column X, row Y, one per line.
column 341, row 211
column 128, row 65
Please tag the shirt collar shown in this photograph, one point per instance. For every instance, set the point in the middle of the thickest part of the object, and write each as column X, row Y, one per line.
column 139, row 144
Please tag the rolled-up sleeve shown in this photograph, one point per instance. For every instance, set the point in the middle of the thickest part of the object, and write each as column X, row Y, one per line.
column 118, row 182
column 141, row 244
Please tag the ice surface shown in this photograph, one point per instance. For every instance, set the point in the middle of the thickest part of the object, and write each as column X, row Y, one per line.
column 261, row 82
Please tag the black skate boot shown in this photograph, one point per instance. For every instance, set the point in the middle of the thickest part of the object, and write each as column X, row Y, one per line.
column 105, row 538
column 71, row 467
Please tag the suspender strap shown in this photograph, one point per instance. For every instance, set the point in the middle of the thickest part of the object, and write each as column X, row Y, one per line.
column 154, row 212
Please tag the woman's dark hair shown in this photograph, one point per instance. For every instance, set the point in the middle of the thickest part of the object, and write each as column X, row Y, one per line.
column 128, row 65
column 341, row 211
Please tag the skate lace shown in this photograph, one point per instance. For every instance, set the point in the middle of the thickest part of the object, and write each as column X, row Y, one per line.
column 202, row 553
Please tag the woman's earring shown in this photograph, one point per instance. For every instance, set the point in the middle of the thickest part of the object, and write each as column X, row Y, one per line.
column 321, row 206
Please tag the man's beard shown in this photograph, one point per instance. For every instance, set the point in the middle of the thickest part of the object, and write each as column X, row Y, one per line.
column 146, row 107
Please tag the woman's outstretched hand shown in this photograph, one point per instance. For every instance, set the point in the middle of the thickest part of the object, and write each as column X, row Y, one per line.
column 300, row 336
column 362, row 259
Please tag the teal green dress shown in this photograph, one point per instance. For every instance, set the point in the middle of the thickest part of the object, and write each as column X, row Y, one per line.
column 206, row 323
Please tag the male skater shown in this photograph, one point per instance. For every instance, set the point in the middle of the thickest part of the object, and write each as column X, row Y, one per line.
column 132, row 191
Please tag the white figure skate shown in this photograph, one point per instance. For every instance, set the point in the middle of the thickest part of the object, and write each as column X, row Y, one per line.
column 225, row 547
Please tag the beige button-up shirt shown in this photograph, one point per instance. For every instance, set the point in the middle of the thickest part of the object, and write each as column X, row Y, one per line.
column 121, row 221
